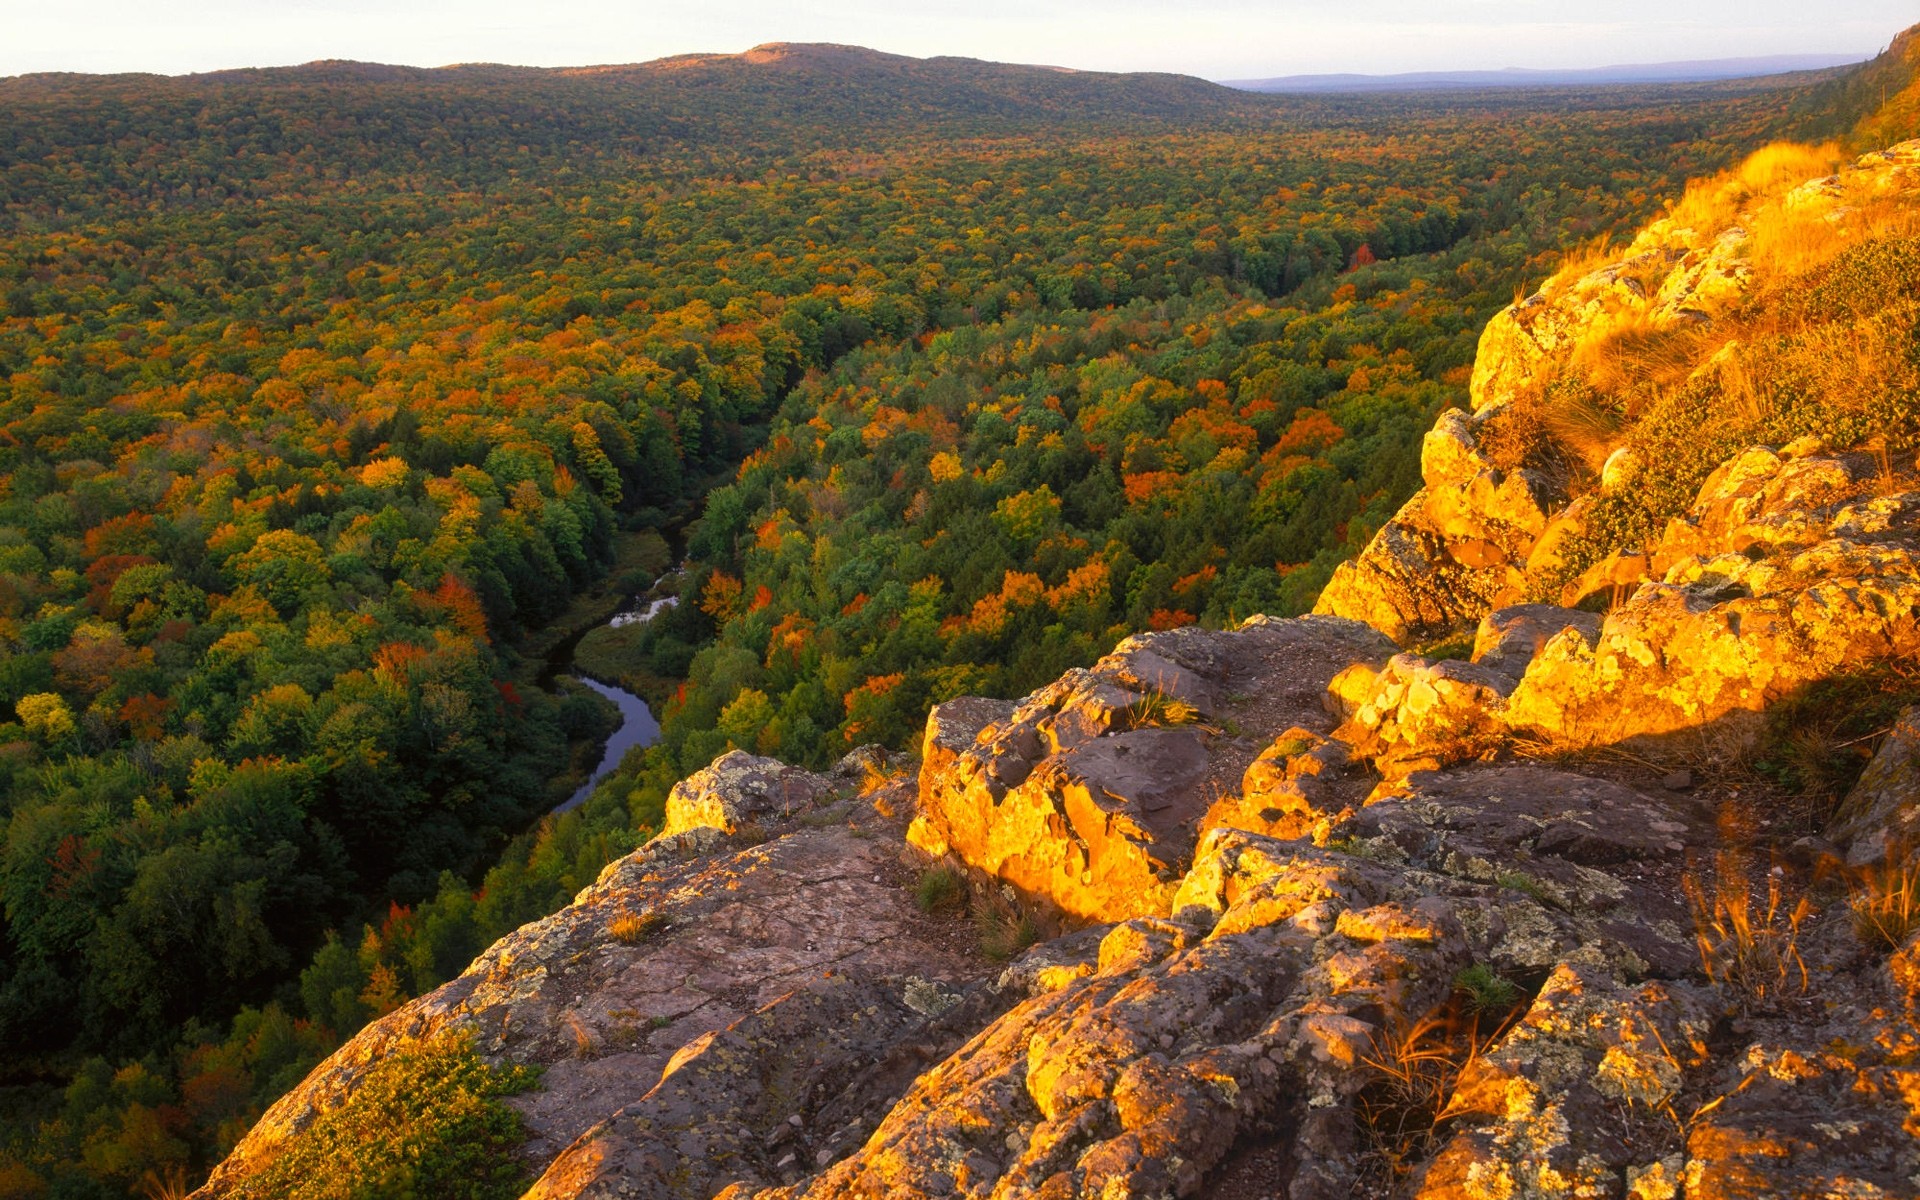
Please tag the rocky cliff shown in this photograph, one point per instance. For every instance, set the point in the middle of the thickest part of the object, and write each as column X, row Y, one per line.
column 1539, row 914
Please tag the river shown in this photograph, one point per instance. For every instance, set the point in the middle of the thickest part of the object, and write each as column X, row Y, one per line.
column 637, row 724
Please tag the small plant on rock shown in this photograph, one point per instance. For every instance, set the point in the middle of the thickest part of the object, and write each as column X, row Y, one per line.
column 1522, row 882
column 632, row 928
column 940, row 888
column 1749, row 948
column 1158, row 709
column 1451, row 646
column 1886, row 899
column 1004, row 930
column 1487, row 991
column 1414, row 1071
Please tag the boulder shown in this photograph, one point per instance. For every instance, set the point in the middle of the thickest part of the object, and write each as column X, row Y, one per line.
column 1422, row 713
column 1764, row 497
column 1449, row 454
column 1455, row 550
column 738, row 788
column 1573, row 1100
column 1723, row 634
column 1882, row 812
column 1287, row 792
column 954, row 727
column 1087, row 796
column 1509, row 638
column 1408, row 582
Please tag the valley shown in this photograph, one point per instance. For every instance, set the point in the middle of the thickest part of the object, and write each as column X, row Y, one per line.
column 339, row 404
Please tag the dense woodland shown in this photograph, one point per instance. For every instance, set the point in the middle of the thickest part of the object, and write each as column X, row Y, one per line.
column 321, row 388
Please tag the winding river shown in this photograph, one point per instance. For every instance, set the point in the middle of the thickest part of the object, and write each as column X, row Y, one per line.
column 637, row 728
column 637, row 724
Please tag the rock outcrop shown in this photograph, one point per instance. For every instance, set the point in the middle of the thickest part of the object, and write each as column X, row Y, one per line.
column 691, row 966
column 1477, row 537
column 1457, row 549
column 1785, row 571
column 1088, row 795
column 1881, row 815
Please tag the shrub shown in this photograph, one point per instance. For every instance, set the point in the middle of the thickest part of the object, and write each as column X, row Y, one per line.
column 425, row 1121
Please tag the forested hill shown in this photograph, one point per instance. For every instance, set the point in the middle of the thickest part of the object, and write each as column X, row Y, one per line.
column 320, row 388
column 263, row 129
column 327, row 127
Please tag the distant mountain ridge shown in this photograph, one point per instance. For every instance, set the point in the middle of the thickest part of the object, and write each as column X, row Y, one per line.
column 1696, row 71
column 765, row 65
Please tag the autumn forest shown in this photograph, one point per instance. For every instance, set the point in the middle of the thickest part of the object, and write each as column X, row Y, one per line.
column 332, row 397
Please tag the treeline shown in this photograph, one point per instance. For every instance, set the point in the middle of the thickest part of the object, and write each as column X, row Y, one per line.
column 304, row 419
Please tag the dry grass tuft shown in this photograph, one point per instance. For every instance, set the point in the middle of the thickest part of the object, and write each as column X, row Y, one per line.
column 583, row 1043
column 1583, row 259
column 1749, row 949
column 1414, row 1070
column 1582, row 424
column 1635, row 356
column 1711, row 205
column 1004, row 930
column 169, row 1183
column 1886, row 899
column 631, row 928
column 1787, row 241
column 877, row 775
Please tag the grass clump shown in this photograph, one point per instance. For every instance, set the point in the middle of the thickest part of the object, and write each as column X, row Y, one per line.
column 426, row 1120
column 1158, row 709
column 1487, row 991
column 1817, row 741
column 1004, row 930
column 1451, row 646
column 1414, row 1070
column 631, row 928
column 1522, row 882
column 940, row 888
column 1748, row 947
column 1886, row 900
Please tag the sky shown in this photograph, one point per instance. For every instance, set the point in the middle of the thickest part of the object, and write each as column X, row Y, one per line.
column 1215, row 39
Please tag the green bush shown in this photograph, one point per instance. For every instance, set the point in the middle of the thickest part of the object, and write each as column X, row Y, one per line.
column 425, row 1123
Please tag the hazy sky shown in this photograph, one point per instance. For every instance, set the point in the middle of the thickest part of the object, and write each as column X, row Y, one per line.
column 1218, row 39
